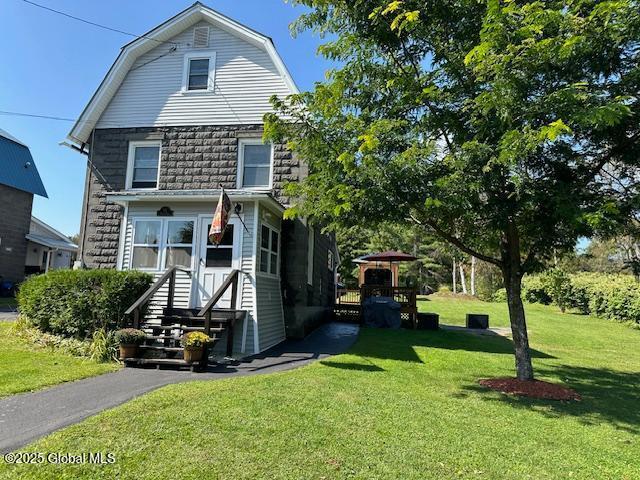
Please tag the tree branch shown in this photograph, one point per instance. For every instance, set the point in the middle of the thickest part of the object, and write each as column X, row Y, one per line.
column 457, row 242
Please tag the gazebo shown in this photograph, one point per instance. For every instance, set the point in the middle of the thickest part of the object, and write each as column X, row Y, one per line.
column 378, row 276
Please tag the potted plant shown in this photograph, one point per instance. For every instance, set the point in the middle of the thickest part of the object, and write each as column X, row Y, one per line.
column 194, row 343
column 128, row 339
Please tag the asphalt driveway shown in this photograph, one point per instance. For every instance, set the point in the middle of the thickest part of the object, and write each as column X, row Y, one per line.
column 26, row 417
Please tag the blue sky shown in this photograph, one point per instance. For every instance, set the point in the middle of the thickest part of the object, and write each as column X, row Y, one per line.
column 52, row 65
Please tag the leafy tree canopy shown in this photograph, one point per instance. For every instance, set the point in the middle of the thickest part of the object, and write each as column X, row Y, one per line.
column 508, row 128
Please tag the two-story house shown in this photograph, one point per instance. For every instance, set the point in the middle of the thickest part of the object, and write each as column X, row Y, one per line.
column 179, row 115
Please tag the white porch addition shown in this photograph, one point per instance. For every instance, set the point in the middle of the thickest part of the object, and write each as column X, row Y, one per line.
column 154, row 242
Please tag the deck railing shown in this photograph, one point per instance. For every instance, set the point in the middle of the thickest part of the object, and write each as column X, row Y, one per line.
column 352, row 299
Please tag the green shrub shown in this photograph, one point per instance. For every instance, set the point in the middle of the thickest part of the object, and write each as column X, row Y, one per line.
column 76, row 303
column 558, row 285
column 104, row 346
column 129, row 336
column 499, row 295
column 24, row 330
column 534, row 290
column 611, row 296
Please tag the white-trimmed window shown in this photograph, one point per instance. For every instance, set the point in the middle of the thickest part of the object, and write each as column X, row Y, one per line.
column 199, row 71
column 269, row 250
column 146, row 244
column 143, row 166
column 255, row 160
column 162, row 243
column 179, row 243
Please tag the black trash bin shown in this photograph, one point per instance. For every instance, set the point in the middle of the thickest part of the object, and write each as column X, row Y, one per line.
column 428, row 321
column 381, row 312
column 477, row 320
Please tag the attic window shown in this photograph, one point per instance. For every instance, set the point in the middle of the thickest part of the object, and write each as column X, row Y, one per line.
column 199, row 71
column 201, row 37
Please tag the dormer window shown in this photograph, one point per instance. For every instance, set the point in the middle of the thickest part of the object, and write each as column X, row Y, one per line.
column 199, row 71
column 143, row 165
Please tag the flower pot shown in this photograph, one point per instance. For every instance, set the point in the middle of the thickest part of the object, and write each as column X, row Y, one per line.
column 128, row 351
column 193, row 354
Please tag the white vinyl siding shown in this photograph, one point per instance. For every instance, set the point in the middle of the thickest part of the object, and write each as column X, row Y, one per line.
column 269, row 303
column 188, row 210
column 271, row 328
column 152, row 91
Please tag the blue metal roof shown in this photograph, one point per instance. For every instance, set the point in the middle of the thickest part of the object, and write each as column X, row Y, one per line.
column 17, row 168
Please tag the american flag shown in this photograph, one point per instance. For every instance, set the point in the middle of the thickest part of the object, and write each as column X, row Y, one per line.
column 220, row 219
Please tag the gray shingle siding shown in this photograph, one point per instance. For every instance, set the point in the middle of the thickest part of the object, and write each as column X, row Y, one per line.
column 192, row 158
column 305, row 306
column 16, row 217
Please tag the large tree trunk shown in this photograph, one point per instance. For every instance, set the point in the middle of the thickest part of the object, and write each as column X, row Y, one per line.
column 512, row 275
column 524, row 369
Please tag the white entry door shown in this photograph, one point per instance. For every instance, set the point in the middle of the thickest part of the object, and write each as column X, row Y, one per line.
column 216, row 262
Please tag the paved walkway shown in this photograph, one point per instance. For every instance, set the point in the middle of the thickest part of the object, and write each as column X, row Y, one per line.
column 26, row 417
column 8, row 314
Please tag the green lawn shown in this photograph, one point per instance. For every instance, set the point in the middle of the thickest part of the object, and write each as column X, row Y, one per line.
column 400, row 405
column 24, row 368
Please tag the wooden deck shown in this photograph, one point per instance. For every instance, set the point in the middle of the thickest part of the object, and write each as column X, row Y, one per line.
column 348, row 306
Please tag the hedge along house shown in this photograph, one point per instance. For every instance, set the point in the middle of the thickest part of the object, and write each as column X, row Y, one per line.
column 179, row 115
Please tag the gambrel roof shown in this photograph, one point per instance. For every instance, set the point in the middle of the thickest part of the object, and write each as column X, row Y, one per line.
column 197, row 12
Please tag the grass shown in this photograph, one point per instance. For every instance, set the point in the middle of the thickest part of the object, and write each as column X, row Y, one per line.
column 24, row 368
column 399, row 405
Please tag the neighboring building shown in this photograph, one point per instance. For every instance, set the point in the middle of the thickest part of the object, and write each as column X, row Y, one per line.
column 19, row 182
column 48, row 249
column 179, row 114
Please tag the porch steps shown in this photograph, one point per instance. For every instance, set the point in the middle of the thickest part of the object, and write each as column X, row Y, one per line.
column 164, row 332
column 158, row 362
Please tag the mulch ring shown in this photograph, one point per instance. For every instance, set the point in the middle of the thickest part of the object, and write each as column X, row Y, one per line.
column 530, row 388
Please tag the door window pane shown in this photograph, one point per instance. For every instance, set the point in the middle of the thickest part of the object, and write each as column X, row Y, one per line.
column 227, row 239
column 219, row 257
column 147, row 232
column 145, row 257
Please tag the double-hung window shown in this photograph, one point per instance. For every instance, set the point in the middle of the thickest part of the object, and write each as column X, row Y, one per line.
column 146, row 244
column 199, row 71
column 254, row 164
column 269, row 249
column 179, row 243
column 162, row 243
column 143, row 165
